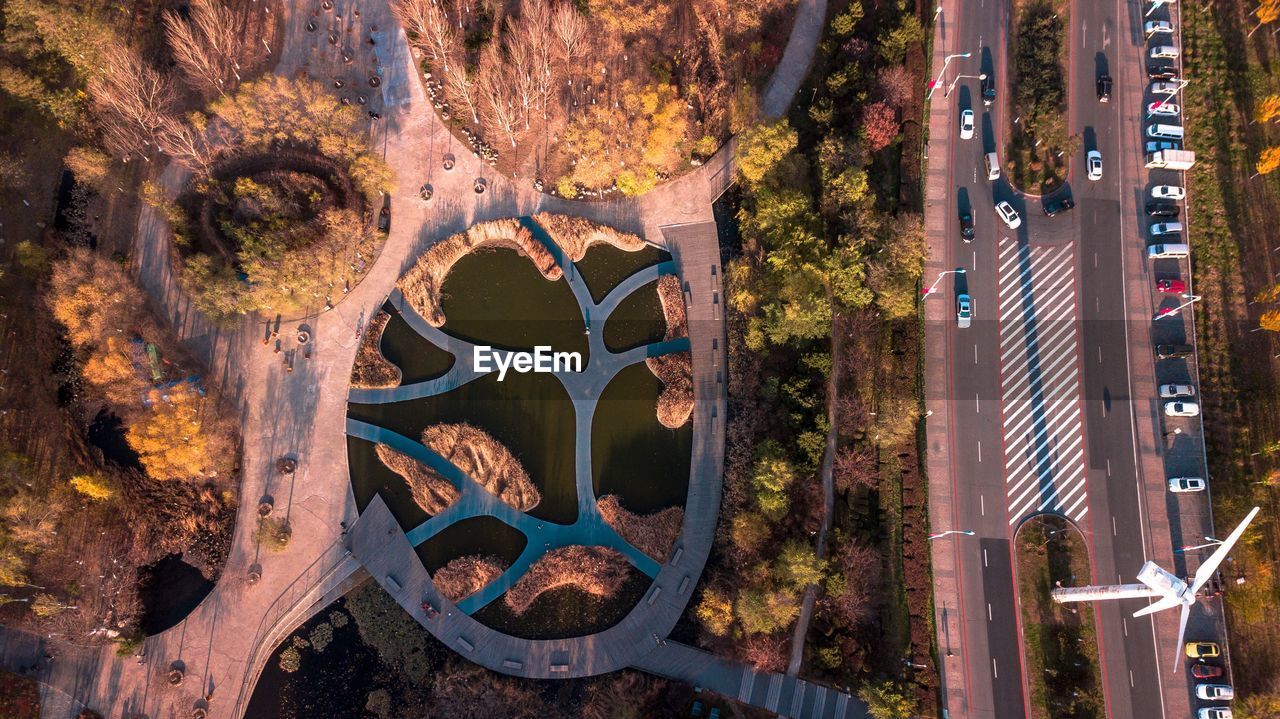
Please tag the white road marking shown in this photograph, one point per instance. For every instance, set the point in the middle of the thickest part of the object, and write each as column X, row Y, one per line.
column 984, row 558
column 975, row 354
column 995, row 672
column 1109, row 474
column 982, row 499
column 977, row 407
column 988, row 611
column 1114, row 533
column 1124, row 621
column 980, row 452
column 1130, row 677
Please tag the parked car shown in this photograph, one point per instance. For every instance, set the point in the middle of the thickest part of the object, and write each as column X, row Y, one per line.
column 1205, row 671
column 1157, row 145
column 1174, row 391
column 988, row 89
column 1009, row 215
column 1104, row 88
column 1168, row 192
column 1166, row 87
column 1181, row 409
column 1215, row 692
column 1203, row 650
column 1158, row 27
column 1214, row 713
column 964, row 310
column 1167, row 109
column 1051, row 209
column 1162, row 209
column 1171, row 287
column 1093, row 163
column 1173, row 351
column 966, row 124
column 966, row 225
column 1163, row 51
column 1183, row 485
column 1162, row 71
column 1166, row 228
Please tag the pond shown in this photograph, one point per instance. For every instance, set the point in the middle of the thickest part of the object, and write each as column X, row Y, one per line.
column 636, row 321
column 418, row 359
column 107, row 433
column 169, row 590
column 634, row 456
column 604, row 266
column 477, row 535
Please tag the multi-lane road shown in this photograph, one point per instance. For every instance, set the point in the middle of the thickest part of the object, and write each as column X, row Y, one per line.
column 1047, row 402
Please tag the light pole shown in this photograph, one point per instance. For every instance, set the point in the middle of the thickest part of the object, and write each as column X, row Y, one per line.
column 1170, row 96
column 934, row 287
column 952, row 86
column 933, row 84
column 1155, row 4
column 1211, row 542
column 965, row 532
column 1190, row 300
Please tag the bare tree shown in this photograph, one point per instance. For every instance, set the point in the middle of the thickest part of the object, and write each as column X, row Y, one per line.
column 524, row 67
column 131, row 100
column 536, row 32
column 462, row 90
column 431, row 28
column 189, row 144
column 209, row 46
column 499, row 109
column 570, row 29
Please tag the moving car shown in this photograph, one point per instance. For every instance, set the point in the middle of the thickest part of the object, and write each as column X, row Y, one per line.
column 1164, row 51
column 966, row 225
column 1163, row 108
column 1166, row 228
column 1205, row 671
column 1173, row 391
column 1214, row 713
column 1171, row 287
column 1162, row 209
column 1173, row 351
column 1215, row 692
column 1165, row 87
column 1093, row 161
column 966, row 124
column 992, row 161
column 1183, row 485
column 1162, row 71
column 1104, row 88
column 964, row 310
column 1053, row 208
column 1181, row 409
column 1009, row 215
column 1203, row 650
column 988, row 89
column 1158, row 27
column 1167, row 192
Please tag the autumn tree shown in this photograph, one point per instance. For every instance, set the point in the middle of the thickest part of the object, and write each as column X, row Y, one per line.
column 1268, row 108
column 715, row 611
column 94, row 486
column 764, row 611
column 89, row 165
column 762, row 148
column 1269, row 160
column 92, row 297
column 896, row 85
column 1268, row 12
column 771, row 479
column 879, row 126
column 169, row 439
column 208, row 45
column 887, row 700
column 110, row 370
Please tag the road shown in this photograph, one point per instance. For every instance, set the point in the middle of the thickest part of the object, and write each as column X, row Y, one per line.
column 1047, row 403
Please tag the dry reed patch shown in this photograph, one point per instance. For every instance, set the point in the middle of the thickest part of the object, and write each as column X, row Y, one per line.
column 654, row 534
column 485, row 460
column 372, row 370
column 673, row 311
column 599, row 571
column 464, row 576
column 675, row 404
column 430, row 491
column 424, row 281
column 576, row 235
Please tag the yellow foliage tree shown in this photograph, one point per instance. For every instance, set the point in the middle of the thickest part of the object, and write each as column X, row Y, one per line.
column 1269, row 160
column 169, row 439
column 715, row 611
column 93, row 486
column 1268, row 12
column 92, row 297
column 1268, row 108
column 111, row 371
column 1270, row 320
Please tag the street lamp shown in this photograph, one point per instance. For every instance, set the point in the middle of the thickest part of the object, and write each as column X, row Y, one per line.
column 1211, row 542
column 933, row 84
column 965, row 532
column 1155, row 4
column 934, row 287
column 1169, row 96
column 1190, row 300
column 958, row 78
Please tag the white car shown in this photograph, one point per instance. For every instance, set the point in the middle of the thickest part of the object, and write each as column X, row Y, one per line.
column 1009, row 215
column 966, row 125
column 1163, row 27
column 1166, row 228
column 1181, row 409
column 1168, row 192
column 1214, row 713
column 1215, row 692
column 1181, row 485
column 1164, row 51
column 1163, row 108
column 1093, row 164
column 1174, row 391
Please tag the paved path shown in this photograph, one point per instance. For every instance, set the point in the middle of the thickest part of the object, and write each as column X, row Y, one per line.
column 225, row 641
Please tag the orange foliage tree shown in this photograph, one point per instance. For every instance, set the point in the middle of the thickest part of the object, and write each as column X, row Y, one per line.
column 1269, row 160
column 169, row 439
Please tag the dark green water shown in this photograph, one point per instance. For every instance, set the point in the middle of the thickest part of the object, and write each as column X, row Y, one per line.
column 369, row 476
column 634, row 456
column 478, row 535
column 530, row 414
column 498, row 298
column 604, row 266
column 636, row 321
column 418, row 359
column 566, row 611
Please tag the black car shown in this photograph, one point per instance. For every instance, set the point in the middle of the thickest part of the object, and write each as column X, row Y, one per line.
column 1162, row 209
column 966, row 225
column 1162, row 71
column 988, row 90
column 1104, row 88
column 1053, row 208
column 1172, row 351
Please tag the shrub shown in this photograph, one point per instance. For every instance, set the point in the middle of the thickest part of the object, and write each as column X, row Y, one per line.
column 274, row 533
column 94, row 486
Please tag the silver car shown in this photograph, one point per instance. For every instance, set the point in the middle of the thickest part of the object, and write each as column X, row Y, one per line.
column 1215, row 692
column 1174, row 391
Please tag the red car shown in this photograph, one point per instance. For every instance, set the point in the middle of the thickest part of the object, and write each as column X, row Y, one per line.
column 1205, row 671
column 1171, row 286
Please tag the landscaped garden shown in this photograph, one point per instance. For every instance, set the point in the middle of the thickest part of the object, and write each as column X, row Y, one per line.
column 519, row 440
column 1039, row 149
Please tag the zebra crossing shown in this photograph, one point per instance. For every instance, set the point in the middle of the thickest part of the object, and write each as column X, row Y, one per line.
column 1039, row 381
